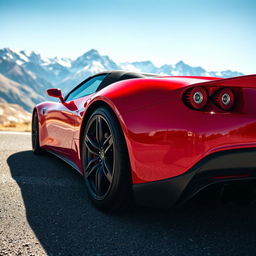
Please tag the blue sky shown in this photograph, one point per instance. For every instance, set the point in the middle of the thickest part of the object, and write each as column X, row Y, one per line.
column 214, row 34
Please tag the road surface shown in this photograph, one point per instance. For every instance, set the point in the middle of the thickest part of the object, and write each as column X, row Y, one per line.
column 44, row 210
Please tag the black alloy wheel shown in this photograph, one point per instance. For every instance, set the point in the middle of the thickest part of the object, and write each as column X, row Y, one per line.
column 105, row 161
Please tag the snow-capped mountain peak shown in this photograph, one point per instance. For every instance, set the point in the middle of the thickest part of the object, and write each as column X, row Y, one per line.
column 13, row 55
column 27, row 69
column 93, row 56
column 65, row 62
column 140, row 66
column 21, row 57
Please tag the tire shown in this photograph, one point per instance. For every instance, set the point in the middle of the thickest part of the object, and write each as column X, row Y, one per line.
column 105, row 162
column 35, row 135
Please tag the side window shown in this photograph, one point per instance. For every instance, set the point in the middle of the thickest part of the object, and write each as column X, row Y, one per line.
column 86, row 88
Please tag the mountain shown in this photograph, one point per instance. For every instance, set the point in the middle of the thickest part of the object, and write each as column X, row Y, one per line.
column 140, row 66
column 86, row 65
column 47, row 69
column 13, row 113
column 16, row 93
column 25, row 75
column 179, row 69
column 186, row 70
column 22, row 75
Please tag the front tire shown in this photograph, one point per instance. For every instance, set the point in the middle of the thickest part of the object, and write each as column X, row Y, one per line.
column 35, row 134
column 105, row 161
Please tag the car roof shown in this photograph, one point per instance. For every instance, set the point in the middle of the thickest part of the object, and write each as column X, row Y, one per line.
column 119, row 75
column 113, row 76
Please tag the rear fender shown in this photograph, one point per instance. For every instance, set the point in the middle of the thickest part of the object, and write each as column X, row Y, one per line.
column 248, row 81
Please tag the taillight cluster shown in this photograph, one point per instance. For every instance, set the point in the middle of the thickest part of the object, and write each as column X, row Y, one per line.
column 224, row 98
column 198, row 98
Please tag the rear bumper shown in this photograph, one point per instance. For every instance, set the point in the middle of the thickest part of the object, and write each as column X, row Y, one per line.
column 225, row 166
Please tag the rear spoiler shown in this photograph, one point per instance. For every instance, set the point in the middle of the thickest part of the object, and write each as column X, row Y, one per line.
column 248, row 81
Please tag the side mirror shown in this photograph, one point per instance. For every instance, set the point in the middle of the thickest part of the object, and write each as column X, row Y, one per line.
column 56, row 93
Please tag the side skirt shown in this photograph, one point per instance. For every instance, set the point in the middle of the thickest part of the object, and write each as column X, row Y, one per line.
column 65, row 159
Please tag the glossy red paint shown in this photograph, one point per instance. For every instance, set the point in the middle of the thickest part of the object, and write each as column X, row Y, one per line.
column 164, row 136
column 56, row 93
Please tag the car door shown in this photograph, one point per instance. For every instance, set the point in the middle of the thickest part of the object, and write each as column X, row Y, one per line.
column 60, row 117
column 76, row 100
column 58, row 127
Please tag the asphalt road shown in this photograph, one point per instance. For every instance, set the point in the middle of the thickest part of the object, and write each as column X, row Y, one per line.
column 44, row 210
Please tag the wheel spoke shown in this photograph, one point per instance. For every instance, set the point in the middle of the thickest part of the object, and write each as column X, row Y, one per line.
column 107, row 171
column 99, row 130
column 108, row 143
column 91, row 145
column 98, row 181
column 91, row 167
column 99, row 156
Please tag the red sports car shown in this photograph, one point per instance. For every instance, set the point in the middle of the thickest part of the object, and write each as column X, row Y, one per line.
column 157, row 139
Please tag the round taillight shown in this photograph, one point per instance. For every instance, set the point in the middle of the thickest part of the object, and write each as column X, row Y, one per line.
column 225, row 99
column 198, row 98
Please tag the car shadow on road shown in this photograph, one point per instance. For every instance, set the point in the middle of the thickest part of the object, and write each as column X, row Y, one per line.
column 61, row 216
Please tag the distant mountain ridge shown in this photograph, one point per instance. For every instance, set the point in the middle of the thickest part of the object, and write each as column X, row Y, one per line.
column 25, row 75
column 13, row 113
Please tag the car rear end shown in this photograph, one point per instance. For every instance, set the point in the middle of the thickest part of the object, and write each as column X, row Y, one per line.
column 205, row 134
